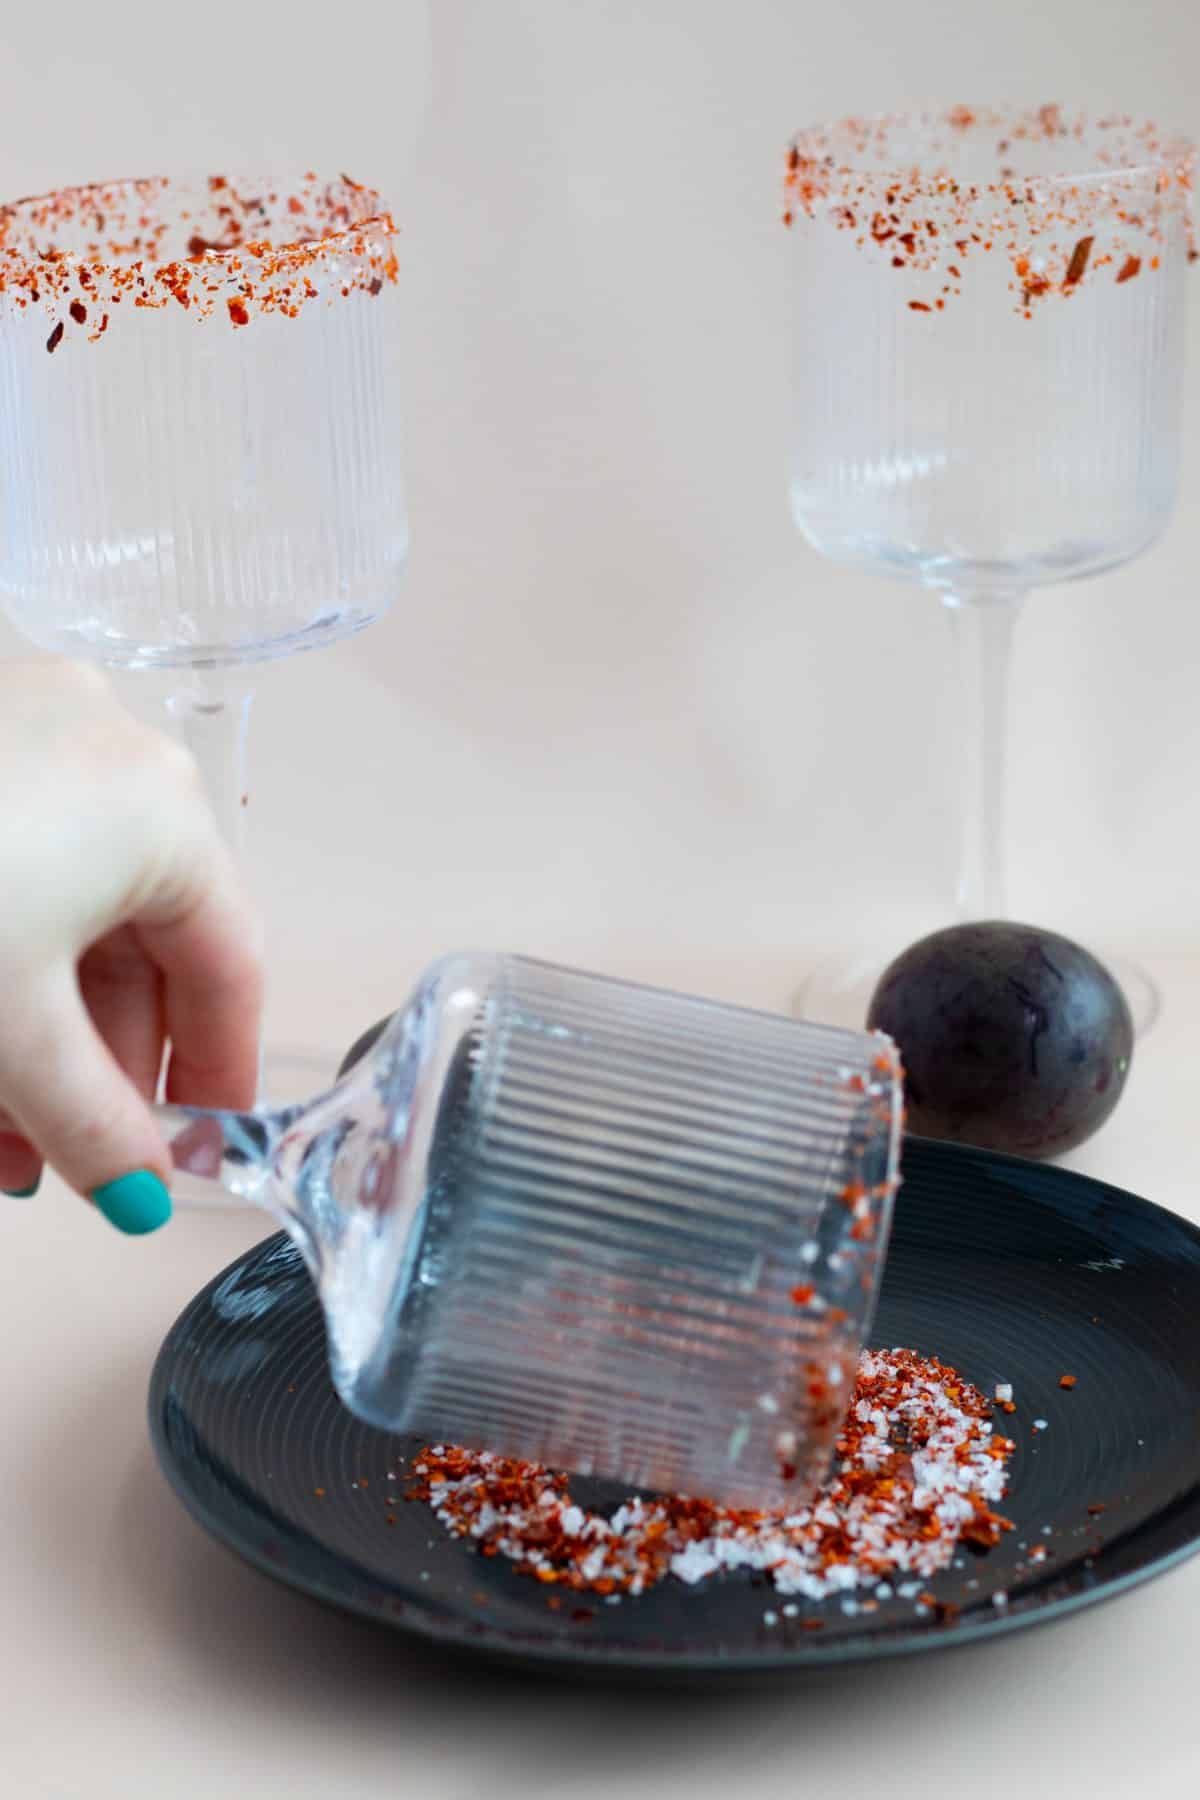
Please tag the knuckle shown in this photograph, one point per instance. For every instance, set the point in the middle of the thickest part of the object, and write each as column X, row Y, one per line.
column 86, row 678
column 167, row 804
column 87, row 1142
column 175, row 767
column 64, row 676
column 177, row 760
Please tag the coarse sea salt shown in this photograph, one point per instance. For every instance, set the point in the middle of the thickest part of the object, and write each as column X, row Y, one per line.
column 919, row 1471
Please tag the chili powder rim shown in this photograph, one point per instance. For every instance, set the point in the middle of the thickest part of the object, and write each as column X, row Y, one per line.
column 261, row 269
column 926, row 221
column 827, row 145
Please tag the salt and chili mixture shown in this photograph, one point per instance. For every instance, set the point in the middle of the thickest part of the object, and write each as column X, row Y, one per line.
column 225, row 249
column 918, row 1472
column 1104, row 208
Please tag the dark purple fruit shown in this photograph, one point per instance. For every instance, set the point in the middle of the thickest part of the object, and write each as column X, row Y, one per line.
column 1012, row 1038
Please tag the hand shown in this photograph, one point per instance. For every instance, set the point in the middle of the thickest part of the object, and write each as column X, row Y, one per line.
column 123, row 926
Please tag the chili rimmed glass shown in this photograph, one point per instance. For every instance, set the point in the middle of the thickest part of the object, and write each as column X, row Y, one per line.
column 989, row 331
column 200, row 455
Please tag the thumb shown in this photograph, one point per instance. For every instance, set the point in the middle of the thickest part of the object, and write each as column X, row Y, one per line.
column 71, row 1098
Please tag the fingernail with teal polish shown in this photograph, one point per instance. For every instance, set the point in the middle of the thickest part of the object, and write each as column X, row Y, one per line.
column 135, row 1203
column 23, row 1193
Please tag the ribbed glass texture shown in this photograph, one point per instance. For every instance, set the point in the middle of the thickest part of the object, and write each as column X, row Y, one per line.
column 613, row 1229
column 647, row 1235
column 987, row 379
column 188, row 489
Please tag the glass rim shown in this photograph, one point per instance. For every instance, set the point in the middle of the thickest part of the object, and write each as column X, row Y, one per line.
column 256, row 241
column 1157, row 154
column 374, row 222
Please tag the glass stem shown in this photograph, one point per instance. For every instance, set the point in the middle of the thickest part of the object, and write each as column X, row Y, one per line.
column 982, row 624
column 233, row 1158
column 212, row 711
column 282, row 1160
column 231, row 1154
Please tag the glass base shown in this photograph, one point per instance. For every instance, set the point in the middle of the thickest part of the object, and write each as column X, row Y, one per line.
column 839, row 990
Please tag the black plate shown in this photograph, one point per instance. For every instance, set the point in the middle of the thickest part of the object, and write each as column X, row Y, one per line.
column 1009, row 1270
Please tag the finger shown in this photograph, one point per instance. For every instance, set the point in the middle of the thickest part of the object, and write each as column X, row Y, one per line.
column 72, row 1101
column 122, row 991
column 20, row 1166
column 208, row 951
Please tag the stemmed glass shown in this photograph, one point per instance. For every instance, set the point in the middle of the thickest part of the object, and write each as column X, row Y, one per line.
column 199, row 434
column 988, row 313
column 600, row 1225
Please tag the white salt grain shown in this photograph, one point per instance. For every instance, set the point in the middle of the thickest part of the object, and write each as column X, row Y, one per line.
column 953, row 1474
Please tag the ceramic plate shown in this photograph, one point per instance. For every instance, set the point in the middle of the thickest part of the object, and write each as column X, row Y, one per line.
column 1011, row 1271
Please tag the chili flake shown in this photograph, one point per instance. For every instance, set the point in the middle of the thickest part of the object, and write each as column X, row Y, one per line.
column 918, row 1471
column 154, row 242
column 860, row 175
column 1080, row 257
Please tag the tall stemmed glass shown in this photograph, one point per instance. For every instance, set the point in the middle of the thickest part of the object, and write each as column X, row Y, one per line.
column 988, row 312
column 199, row 433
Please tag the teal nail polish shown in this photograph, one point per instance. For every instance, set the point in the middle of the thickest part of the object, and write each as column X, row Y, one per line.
column 23, row 1193
column 135, row 1203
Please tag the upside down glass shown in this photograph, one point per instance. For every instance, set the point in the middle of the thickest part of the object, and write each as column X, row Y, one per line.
column 199, row 433
column 988, row 310
column 608, row 1228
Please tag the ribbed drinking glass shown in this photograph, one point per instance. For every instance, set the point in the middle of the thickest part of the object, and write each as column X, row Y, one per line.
column 199, row 433
column 988, row 313
column 609, row 1228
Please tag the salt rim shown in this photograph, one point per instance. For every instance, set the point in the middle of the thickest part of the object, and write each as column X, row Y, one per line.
column 919, row 1472
column 267, row 239
column 921, row 217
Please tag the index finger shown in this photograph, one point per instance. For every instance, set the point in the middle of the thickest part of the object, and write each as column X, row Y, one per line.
column 208, row 949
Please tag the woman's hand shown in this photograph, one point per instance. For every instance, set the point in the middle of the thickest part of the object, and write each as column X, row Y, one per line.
column 123, row 926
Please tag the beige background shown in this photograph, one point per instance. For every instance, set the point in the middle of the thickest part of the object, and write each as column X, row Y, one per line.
column 620, row 715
